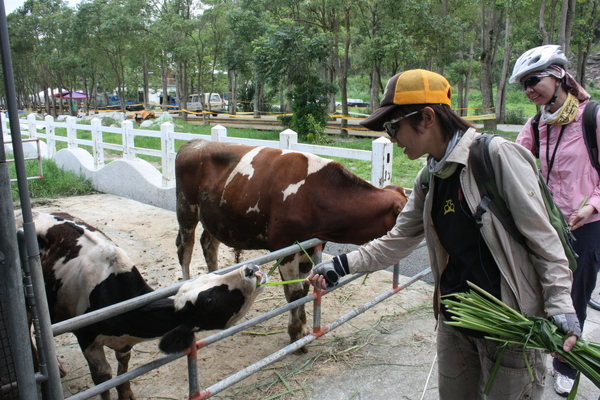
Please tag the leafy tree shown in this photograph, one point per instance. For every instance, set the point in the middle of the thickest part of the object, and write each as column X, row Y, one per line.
column 270, row 48
column 286, row 53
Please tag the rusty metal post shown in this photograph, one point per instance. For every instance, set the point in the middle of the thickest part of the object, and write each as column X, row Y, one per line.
column 192, row 361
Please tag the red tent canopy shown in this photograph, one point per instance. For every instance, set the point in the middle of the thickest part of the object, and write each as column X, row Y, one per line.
column 66, row 94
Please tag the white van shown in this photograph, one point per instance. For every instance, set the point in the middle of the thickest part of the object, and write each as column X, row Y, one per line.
column 217, row 104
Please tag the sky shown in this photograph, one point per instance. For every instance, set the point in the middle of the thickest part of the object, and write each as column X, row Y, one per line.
column 12, row 5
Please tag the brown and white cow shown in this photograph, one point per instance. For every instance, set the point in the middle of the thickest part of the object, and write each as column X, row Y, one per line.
column 261, row 198
column 85, row 271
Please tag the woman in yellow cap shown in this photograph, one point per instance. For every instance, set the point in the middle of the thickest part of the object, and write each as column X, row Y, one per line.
column 465, row 245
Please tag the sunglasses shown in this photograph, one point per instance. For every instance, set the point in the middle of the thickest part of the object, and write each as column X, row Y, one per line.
column 391, row 127
column 531, row 81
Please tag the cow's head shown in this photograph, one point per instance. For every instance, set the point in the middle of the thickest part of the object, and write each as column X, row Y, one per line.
column 400, row 197
column 212, row 302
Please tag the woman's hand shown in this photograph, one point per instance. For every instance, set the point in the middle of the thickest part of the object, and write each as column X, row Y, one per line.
column 318, row 281
column 578, row 218
column 327, row 274
column 567, row 324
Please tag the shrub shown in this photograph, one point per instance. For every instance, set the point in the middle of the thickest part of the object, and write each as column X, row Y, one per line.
column 516, row 117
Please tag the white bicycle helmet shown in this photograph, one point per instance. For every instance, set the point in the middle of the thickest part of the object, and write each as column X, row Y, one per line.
column 538, row 59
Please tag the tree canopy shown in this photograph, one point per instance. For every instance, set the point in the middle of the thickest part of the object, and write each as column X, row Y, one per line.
column 264, row 53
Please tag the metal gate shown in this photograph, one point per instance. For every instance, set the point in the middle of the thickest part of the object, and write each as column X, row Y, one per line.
column 48, row 354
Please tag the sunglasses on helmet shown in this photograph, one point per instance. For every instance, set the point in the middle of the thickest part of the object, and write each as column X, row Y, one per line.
column 391, row 127
column 531, row 81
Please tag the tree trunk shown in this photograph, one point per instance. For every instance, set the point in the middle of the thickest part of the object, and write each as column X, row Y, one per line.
column 501, row 95
column 343, row 72
column 258, row 91
column 567, row 15
column 586, row 48
column 569, row 26
column 146, row 78
column 464, row 85
column 374, row 87
column 182, row 88
column 543, row 31
column 468, row 79
column 288, row 101
column 487, row 59
column 553, row 32
column 232, row 95
column 165, row 85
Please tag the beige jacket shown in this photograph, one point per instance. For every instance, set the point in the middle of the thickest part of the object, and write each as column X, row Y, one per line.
column 535, row 283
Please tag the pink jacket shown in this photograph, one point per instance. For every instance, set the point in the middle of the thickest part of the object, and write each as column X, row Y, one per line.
column 572, row 176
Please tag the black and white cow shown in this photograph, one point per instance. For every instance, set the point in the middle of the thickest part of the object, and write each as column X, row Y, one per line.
column 85, row 271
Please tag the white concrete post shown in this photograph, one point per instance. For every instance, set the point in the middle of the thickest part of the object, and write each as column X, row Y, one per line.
column 50, row 135
column 97, row 138
column 287, row 139
column 71, row 132
column 128, row 140
column 168, row 154
column 217, row 133
column 4, row 126
column 381, row 162
column 31, row 126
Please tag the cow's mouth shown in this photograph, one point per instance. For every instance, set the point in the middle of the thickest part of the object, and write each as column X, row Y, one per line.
column 260, row 276
column 253, row 271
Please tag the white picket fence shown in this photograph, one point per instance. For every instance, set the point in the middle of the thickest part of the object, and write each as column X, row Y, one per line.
column 380, row 156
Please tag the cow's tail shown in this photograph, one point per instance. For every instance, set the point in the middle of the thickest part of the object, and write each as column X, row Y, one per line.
column 177, row 340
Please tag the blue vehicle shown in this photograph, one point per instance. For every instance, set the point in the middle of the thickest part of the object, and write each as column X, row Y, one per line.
column 172, row 101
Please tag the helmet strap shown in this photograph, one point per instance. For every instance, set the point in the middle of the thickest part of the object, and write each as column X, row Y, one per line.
column 553, row 99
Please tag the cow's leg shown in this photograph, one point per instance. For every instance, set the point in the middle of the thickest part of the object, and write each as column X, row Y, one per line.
column 187, row 218
column 210, row 248
column 124, row 390
column 99, row 367
column 296, row 267
column 238, row 255
column 34, row 353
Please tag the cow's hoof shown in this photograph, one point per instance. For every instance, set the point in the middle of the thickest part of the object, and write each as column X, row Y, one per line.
column 127, row 396
column 61, row 370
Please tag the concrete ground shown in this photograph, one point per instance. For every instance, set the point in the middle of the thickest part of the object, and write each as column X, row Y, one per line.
column 404, row 365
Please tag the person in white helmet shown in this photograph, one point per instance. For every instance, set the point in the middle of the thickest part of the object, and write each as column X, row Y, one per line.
column 571, row 177
column 465, row 246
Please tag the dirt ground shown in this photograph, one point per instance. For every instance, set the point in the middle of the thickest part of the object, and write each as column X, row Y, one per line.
column 148, row 235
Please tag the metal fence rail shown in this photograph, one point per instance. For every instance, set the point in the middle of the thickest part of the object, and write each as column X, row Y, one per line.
column 195, row 393
column 246, row 372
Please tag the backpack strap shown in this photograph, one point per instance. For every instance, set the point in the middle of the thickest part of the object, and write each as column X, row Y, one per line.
column 425, row 179
column 535, row 125
column 590, row 132
column 480, row 164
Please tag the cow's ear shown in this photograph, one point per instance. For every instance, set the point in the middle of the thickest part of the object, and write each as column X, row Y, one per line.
column 177, row 340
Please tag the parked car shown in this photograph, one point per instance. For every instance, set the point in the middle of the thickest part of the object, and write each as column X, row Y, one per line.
column 357, row 103
column 217, row 104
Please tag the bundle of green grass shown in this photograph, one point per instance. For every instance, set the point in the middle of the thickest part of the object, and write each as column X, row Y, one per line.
column 480, row 311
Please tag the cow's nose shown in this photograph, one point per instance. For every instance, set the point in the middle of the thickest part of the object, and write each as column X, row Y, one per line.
column 250, row 271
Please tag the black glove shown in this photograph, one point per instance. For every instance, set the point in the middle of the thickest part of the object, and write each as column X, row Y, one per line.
column 568, row 324
column 332, row 270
